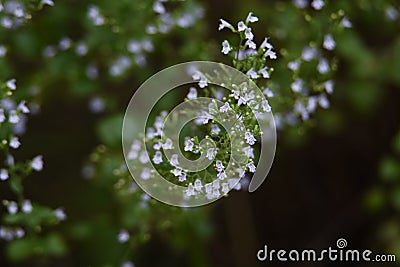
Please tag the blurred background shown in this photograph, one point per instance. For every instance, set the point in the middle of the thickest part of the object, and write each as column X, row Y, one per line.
column 77, row 64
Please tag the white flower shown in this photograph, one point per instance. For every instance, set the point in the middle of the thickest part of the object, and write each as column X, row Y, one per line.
column 250, row 138
column 22, row 107
column 215, row 129
column 128, row 264
column 220, row 167
column 224, row 24
column 252, row 74
column 208, row 188
column 203, row 82
column 14, row 143
column 329, row 43
column 65, row 43
column 26, row 206
column 248, row 34
column 19, row 233
column 11, row 84
column 37, row 163
column 268, row 92
column 182, row 177
column 391, row 13
column 271, row 54
column 300, row 3
column 190, row 191
column 323, row 101
column 158, row 7
column 226, row 48
column 3, row 174
column 192, row 93
column 198, row 185
column 251, row 18
column 143, row 158
column 309, row 53
column 157, row 159
column 248, row 151
column 265, row 106
column 12, row 207
column 265, row 44
column 317, row 4
column 294, row 65
column 264, row 72
column 225, row 188
column 134, row 46
column 145, row 174
column 177, row 171
column 346, row 23
column 211, row 153
column 188, row 145
column 224, row 108
column 312, row 104
column 251, row 166
column 241, row 26
column 47, row 2
column 297, row 85
column 240, row 172
column 323, row 66
column 251, row 44
column 13, row 117
column 123, row 236
column 2, row 116
column 329, row 86
column 174, row 160
column 60, row 214
column 168, row 144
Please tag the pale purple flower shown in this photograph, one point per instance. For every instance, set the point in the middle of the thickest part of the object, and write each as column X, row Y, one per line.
column 37, row 163
column 224, row 24
column 145, row 174
column 157, row 159
column 323, row 66
column 11, row 84
column 251, row 44
column 26, row 206
column 317, row 4
column 211, row 153
column 250, row 139
column 250, row 18
column 226, row 48
column 3, row 174
column 14, row 143
column 264, row 72
column 346, row 23
column 192, row 93
column 265, row 44
column 241, row 26
column 297, row 85
column 248, row 34
column 13, row 117
column 252, row 167
column 329, row 86
column 123, row 236
column 252, row 73
column 329, row 42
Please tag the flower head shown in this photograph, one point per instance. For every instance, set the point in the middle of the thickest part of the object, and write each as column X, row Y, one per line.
column 224, row 24
column 37, row 163
column 226, row 48
column 250, row 18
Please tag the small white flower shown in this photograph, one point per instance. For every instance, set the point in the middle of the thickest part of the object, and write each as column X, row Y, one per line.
column 226, row 48
column 250, row 18
column 221, row 175
column 265, row 44
column 3, row 174
column 203, row 82
column 264, row 72
column 174, row 160
column 128, row 264
column 271, row 54
column 188, row 145
column 12, row 207
column 391, row 13
column 157, row 159
column 26, row 206
column 323, row 66
column 13, row 117
column 224, row 108
column 240, row 172
column 14, row 143
column 265, row 106
column 220, row 167
column 294, row 65
column 241, row 26
column 22, row 107
column 249, row 152
column 182, row 177
column 19, row 233
column 317, row 4
column 252, row 167
column 158, row 7
column 145, row 174
column 11, row 84
column 192, row 93
column 329, row 42
column 329, row 86
column 250, row 139
column 301, row 3
column 198, row 185
column 297, row 85
column 224, row 24
column 252, row 74
column 208, row 188
column 2, row 116
column 248, row 34
column 60, row 214
column 211, row 153
column 123, row 236
column 190, row 191
column 177, row 171
column 346, row 23
column 225, row 188
column 144, row 158
column 37, row 163
column 47, row 2
column 251, row 44
column 168, row 144
column 309, row 53
column 215, row 129
column 323, row 101
column 134, row 46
